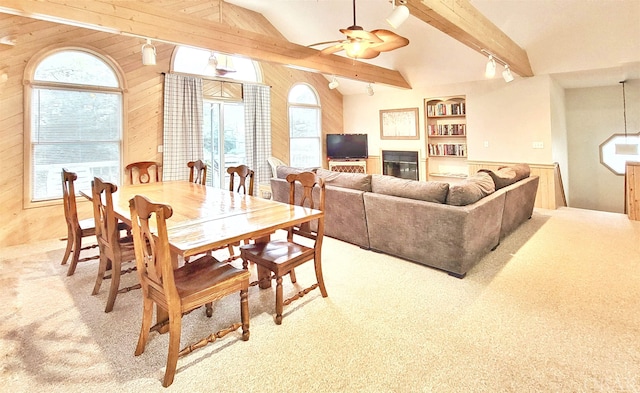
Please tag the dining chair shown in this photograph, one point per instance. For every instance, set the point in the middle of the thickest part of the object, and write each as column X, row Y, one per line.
column 114, row 249
column 182, row 290
column 242, row 172
column 282, row 256
column 76, row 229
column 144, row 172
column 197, row 172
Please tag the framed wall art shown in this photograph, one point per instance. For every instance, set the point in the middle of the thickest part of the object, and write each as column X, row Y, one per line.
column 399, row 123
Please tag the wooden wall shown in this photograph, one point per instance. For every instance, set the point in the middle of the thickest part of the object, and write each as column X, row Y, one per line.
column 143, row 103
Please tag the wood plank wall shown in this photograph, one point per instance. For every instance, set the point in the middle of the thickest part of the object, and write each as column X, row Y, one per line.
column 143, row 103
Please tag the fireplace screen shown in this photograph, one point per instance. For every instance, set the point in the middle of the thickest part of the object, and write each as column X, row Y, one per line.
column 402, row 164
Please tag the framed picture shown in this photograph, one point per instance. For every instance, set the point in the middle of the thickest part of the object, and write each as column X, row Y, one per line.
column 399, row 123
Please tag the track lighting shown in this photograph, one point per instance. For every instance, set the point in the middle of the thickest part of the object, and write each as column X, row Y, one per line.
column 399, row 14
column 490, row 69
column 506, row 74
column 370, row 89
column 334, row 83
column 148, row 53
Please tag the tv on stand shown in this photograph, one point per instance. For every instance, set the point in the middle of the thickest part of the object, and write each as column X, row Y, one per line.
column 347, row 146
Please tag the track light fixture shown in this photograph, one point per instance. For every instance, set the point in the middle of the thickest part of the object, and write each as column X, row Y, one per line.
column 490, row 69
column 506, row 74
column 399, row 14
column 334, row 83
column 370, row 89
column 148, row 53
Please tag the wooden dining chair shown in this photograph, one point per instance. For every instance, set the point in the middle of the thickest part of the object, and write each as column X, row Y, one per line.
column 144, row 172
column 76, row 229
column 282, row 256
column 197, row 172
column 242, row 172
column 182, row 290
column 115, row 250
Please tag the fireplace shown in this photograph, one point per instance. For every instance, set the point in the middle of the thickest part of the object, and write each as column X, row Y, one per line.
column 402, row 164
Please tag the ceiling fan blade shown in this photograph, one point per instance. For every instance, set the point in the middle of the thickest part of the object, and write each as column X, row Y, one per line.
column 323, row 43
column 368, row 53
column 390, row 40
column 362, row 35
column 332, row 49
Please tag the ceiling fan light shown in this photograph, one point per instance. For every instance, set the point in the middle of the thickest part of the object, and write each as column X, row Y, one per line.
column 490, row 69
column 506, row 74
column 398, row 16
column 148, row 53
column 355, row 48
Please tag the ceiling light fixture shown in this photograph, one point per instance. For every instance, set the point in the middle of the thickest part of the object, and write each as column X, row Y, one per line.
column 626, row 148
column 148, row 53
column 490, row 69
column 506, row 74
column 399, row 14
column 370, row 89
column 334, row 83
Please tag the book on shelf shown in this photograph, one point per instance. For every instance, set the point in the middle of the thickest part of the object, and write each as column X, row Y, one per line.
column 448, row 149
column 446, row 109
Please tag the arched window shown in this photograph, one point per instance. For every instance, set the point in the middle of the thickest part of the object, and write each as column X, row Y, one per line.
column 75, row 123
column 304, row 127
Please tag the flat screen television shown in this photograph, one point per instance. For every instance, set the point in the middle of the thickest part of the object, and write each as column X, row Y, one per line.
column 347, row 146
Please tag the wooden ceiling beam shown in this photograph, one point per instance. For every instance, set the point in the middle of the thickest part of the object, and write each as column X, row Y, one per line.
column 145, row 20
column 462, row 21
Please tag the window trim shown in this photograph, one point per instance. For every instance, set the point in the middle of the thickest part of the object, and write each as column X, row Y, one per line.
column 317, row 106
column 29, row 84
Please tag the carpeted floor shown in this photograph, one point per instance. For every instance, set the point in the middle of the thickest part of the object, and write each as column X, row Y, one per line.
column 553, row 309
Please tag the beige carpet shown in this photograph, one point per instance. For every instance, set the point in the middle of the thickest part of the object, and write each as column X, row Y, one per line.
column 554, row 309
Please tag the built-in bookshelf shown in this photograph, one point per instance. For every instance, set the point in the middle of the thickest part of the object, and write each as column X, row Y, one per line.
column 446, row 129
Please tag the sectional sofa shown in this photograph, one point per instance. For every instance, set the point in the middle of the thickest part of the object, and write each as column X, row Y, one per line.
column 441, row 225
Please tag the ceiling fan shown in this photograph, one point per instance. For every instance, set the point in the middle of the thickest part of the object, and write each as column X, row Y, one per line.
column 362, row 44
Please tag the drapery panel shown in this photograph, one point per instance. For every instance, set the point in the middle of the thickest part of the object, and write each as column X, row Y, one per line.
column 182, row 134
column 257, row 113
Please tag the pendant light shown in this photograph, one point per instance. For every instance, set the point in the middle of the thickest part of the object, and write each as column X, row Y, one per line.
column 626, row 148
column 148, row 53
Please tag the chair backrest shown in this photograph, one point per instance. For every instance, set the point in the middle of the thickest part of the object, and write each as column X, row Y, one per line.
column 197, row 172
column 107, row 232
column 153, row 253
column 243, row 172
column 274, row 163
column 144, row 172
column 309, row 182
column 69, row 198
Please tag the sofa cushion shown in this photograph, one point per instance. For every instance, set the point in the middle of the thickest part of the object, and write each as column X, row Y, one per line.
column 429, row 191
column 501, row 177
column 354, row 181
column 283, row 170
column 471, row 190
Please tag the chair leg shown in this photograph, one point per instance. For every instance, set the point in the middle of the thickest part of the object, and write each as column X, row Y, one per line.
column 175, row 327
column 77, row 246
column 244, row 313
column 292, row 275
column 67, row 251
column 279, row 300
column 318, row 266
column 102, row 268
column 115, row 284
column 147, row 315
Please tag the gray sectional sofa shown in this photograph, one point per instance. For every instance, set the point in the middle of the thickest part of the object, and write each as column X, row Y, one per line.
column 445, row 226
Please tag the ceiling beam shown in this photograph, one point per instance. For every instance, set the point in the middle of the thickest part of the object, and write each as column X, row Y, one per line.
column 145, row 20
column 463, row 22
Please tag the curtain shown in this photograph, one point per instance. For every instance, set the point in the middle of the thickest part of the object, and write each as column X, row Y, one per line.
column 257, row 119
column 183, row 140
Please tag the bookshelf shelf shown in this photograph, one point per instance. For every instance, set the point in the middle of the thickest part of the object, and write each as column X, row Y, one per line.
column 446, row 133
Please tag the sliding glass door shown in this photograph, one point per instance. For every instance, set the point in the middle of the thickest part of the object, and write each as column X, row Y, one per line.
column 224, row 140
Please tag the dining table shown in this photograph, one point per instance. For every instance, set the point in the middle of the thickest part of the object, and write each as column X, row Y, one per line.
column 205, row 217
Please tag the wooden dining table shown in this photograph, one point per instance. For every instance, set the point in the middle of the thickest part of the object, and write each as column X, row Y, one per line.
column 206, row 217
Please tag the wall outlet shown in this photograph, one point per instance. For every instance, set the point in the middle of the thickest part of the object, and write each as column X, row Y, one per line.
column 486, row 143
column 160, row 148
column 538, row 145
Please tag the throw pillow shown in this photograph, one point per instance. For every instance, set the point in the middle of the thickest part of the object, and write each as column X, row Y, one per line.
column 429, row 191
column 522, row 170
column 502, row 177
column 471, row 190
